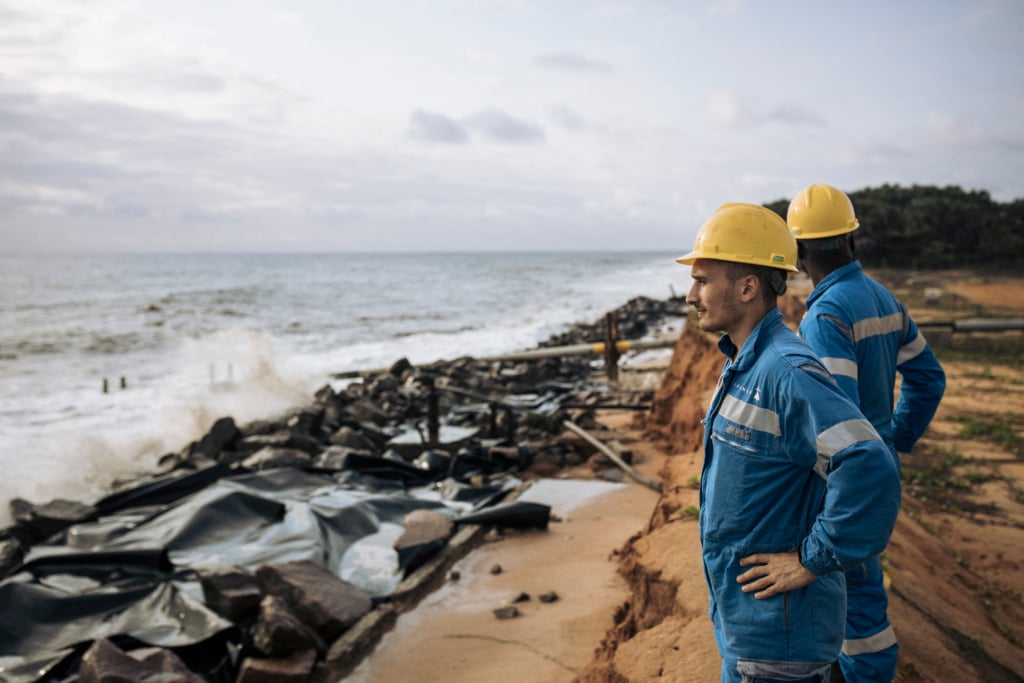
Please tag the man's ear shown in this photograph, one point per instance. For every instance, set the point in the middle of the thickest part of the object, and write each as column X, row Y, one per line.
column 749, row 287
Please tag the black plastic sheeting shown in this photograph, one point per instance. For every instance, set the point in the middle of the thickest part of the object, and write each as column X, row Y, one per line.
column 130, row 574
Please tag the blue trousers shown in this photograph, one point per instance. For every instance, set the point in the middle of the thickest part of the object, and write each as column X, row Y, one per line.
column 870, row 649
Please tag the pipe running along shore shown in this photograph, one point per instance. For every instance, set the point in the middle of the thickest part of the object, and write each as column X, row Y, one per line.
column 597, row 348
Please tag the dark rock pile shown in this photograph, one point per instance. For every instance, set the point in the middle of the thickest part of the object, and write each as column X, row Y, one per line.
column 464, row 420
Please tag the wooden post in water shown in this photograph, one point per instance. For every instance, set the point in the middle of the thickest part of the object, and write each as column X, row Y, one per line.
column 433, row 429
column 106, row 388
column 124, row 382
column 611, row 351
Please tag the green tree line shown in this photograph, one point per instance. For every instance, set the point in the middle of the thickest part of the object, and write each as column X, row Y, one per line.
column 928, row 227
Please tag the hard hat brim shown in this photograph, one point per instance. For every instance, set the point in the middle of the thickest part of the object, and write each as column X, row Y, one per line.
column 688, row 260
column 802, row 235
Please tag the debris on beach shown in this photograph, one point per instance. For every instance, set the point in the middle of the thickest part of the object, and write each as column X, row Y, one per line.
column 281, row 549
column 548, row 597
column 506, row 612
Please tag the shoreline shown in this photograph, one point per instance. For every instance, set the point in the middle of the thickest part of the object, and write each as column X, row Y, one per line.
column 337, row 432
column 277, row 329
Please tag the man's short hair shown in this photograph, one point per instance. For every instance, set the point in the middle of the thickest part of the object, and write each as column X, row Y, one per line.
column 773, row 280
column 835, row 243
column 829, row 252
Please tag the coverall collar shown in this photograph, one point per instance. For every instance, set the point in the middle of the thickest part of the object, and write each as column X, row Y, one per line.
column 848, row 271
column 748, row 354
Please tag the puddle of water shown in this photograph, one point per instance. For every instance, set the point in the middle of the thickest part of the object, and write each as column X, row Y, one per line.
column 462, row 596
column 565, row 495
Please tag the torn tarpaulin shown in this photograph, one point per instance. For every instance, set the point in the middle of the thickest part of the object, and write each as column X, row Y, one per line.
column 131, row 575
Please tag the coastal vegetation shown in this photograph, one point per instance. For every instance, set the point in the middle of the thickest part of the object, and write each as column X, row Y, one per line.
column 928, row 227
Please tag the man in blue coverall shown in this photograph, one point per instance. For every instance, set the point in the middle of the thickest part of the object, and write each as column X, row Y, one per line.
column 797, row 486
column 864, row 336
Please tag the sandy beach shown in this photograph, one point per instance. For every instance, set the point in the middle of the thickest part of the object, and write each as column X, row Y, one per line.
column 454, row 636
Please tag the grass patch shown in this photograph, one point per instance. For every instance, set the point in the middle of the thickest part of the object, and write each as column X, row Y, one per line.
column 997, row 430
column 937, row 476
column 994, row 592
column 915, row 297
column 688, row 512
column 984, row 374
column 1003, row 348
column 930, row 471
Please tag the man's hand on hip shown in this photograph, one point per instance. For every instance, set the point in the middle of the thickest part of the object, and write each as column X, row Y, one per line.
column 773, row 574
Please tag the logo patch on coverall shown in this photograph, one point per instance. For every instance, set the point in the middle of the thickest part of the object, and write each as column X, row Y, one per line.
column 733, row 430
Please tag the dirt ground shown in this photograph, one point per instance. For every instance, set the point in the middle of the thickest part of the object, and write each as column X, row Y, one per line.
column 626, row 565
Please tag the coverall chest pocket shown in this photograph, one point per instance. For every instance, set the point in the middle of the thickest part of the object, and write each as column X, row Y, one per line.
column 746, row 467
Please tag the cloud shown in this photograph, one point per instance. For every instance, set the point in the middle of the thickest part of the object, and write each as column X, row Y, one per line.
column 724, row 7
column 491, row 124
column 795, row 116
column 567, row 118
column 182, row 82
column 728, row 110
column 200, row 125
column 613, row 10
column 116, row 53
column 429, row 126
column 945, row 129
column 572, row 61
column 73, row 158
column 498, row 126
column 942, row 130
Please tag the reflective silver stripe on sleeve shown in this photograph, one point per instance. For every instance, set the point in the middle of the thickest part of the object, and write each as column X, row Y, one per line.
column 841, row 367
column 911, row 350
column 885, row 638
column 840, row 436
column 872, row 327
column 749, row 415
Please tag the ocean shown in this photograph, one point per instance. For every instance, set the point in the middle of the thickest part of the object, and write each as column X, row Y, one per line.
column 181, row 340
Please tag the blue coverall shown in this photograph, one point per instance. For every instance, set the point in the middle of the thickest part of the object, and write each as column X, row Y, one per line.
column 864, row 336
column 790, row 464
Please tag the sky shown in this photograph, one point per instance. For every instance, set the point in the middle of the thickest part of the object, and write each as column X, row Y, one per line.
column 465, row 125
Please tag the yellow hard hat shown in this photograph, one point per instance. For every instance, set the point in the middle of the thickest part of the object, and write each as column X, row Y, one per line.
column 745, row 233
column 821, row 211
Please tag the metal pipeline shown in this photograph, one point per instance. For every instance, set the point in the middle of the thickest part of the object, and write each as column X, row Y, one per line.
column 597, row 348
